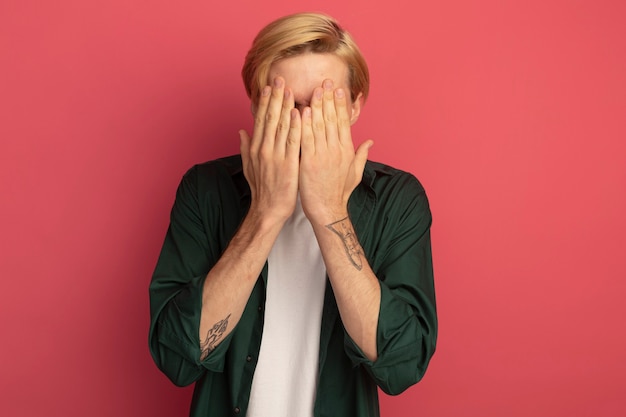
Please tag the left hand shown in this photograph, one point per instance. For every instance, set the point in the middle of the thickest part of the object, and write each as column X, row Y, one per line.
column 330, row 168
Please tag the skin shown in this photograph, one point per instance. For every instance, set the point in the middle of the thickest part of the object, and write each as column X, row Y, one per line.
column 301, row 142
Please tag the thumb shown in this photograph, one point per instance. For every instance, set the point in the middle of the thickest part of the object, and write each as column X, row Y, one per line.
column 360, row 157
column 244, row 144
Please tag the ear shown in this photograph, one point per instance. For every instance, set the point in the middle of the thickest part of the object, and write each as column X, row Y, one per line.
column 356, row 108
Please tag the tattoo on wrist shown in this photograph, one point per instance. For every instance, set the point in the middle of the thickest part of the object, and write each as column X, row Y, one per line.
column 344, row 230
column 213, row 336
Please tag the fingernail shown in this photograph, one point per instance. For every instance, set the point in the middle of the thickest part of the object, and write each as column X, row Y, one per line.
column 266, row 90
column 307, row 112
column 328, row 84
column 278, row 82
column 287, row 93
column 339, row 93
column 318, row 93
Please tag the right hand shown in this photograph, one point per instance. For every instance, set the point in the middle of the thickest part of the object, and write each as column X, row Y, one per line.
column 271, row 158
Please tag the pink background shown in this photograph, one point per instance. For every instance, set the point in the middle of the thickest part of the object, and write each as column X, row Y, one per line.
column 512, row 113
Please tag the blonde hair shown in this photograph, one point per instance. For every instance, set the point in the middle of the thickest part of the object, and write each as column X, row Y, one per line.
column 297, row 34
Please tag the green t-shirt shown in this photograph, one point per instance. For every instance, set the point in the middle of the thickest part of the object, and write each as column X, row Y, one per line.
column 391, row 217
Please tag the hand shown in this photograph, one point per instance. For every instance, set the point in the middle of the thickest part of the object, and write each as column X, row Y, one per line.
column 271, row 157
column 330, row 169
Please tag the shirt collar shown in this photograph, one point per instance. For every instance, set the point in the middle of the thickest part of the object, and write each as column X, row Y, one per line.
column 234, row 167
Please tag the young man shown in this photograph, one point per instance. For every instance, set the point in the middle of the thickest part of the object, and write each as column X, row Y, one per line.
column 296, row 278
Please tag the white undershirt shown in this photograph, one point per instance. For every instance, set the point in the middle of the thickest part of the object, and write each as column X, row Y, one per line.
column 285, row 379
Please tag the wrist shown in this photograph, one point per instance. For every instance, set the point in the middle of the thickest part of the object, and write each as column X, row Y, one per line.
column 271, row 212
column 264, row 221
column 327, row 215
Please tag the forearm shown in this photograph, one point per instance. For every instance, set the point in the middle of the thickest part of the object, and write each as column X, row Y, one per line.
column 270, row 161
column 228, row 285
column 356, row 288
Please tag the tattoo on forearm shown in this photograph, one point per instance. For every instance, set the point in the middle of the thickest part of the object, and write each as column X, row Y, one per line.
column 213, row 336
column 344, row 230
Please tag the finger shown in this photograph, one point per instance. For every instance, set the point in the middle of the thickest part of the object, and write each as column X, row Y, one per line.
column 284, row 124
column 295, row 134
column 317, row 118
column 272, row 116
column 343, row 116
column 330, row 114
column 307, row 140
column 259, row 118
